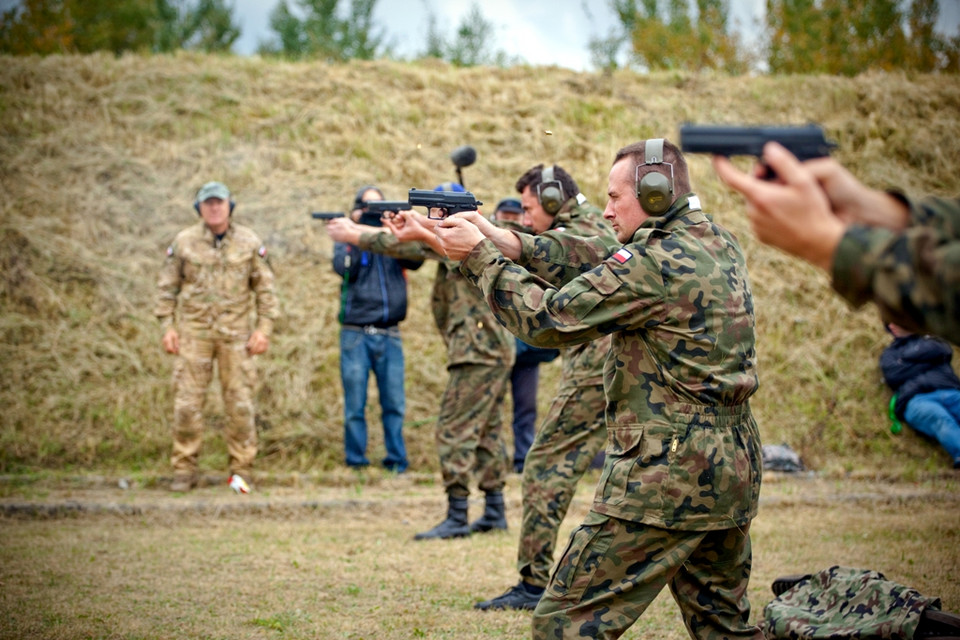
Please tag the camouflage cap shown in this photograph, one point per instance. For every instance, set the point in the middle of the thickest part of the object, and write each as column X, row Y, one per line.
column 213, row 190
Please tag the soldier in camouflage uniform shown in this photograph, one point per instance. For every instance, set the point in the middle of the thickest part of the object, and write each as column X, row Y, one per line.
column 215, row 274
column 574, row 429
column 681, row 478
column 480, row 354
column 877, row 246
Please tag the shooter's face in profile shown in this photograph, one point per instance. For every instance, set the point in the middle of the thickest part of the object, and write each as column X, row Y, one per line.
column 534, row 215
column 623, row 210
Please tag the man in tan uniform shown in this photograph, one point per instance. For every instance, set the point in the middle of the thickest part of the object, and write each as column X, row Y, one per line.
column 214, row 274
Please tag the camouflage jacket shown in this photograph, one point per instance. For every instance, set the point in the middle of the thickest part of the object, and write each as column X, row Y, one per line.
column 683, row 449
column 912, row 276
column 214, row 284
column 843, row 602
column 468, row 327
column 582, row 363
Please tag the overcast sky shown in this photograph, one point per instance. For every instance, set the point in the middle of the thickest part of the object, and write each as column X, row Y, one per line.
column 538, row 31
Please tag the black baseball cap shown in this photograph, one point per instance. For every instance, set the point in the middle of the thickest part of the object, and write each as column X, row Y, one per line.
column 511, row 205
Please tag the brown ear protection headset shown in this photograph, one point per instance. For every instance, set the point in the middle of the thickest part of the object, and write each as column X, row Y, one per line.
column 654, row 190
column 550, row 192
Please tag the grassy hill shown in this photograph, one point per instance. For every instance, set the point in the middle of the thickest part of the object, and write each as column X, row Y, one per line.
column 100, row 158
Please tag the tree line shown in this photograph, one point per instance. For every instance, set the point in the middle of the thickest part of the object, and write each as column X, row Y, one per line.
column 795, row 36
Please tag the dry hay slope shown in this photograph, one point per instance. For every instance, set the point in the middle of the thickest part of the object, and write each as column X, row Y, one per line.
column 100, row 158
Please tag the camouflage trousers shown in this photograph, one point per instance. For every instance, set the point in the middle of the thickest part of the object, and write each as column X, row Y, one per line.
column 567, row 441
column 613, row 569
column 192, row 374
column 470, row 429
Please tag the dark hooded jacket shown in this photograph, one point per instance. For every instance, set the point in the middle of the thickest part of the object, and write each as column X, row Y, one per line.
column 915, row 364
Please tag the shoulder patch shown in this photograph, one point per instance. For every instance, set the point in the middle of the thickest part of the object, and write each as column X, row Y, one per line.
column 262, row 251
column 622, row 256
column 170, row 251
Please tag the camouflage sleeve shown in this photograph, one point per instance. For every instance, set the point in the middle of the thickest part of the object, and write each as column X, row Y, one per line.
column 913, row 276
column 261, row 281
column 168, row 288
column 388, row 245
column 541, row 314
column 560, row 257
column 942, row 214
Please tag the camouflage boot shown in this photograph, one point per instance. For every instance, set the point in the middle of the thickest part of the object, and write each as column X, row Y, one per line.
column 493, row 514
column 455, row 526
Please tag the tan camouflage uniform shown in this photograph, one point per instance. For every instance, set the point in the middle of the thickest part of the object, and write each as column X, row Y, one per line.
column 480, row 353
column 572, row 431
column 912, row 276
column 208, row 289
column 681, row 479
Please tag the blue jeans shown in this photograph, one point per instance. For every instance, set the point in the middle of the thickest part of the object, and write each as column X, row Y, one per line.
column 937, row 415
column 361, row 353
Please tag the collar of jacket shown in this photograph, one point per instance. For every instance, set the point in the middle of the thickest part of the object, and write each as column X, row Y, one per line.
column 683, row 206
column 211, row 238
column 581, row 206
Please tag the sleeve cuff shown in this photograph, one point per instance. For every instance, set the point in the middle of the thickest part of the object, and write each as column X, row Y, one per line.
column 856, row 261
column 265, row 326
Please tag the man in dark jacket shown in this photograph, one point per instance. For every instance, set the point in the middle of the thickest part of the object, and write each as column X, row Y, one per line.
column 926, row 389
column 373, row 301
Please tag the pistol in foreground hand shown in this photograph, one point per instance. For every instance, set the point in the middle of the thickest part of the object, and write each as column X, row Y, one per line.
column 805, row 142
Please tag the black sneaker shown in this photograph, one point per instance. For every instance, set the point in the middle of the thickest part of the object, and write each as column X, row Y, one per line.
column 516, row 597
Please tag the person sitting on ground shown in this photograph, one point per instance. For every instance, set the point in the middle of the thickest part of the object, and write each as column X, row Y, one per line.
column 926, row 388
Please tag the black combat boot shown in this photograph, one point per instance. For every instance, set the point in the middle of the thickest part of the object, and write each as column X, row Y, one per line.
column 493, row 516
column 455, row 526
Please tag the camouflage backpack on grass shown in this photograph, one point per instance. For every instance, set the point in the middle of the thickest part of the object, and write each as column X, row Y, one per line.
column 840, row 602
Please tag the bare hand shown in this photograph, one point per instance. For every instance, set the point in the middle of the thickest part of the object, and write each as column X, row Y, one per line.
column 854, row 202
column 504, row 239
column 171, row 341
column 257, row 343
column 410, row 226
column 458, row 236
column 343, row 230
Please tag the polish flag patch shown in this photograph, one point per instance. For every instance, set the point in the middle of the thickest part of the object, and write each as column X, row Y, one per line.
column 262, row 251
column 622, row 256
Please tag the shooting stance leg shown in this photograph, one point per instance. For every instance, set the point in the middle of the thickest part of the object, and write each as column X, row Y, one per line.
column 237, row 380
column 191, row 377
column 388, row 369
column 571, row 434
column 609, row 574
column 470, row 429
column 711, row 587
column 354, row 373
